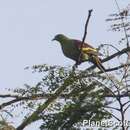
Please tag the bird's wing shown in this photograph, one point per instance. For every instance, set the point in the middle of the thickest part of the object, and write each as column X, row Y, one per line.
column 88, row 49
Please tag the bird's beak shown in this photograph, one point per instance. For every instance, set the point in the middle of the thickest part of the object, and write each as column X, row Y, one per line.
column 53, row 39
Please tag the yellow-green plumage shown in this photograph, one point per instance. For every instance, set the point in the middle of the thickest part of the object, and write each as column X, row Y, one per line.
column 71, row 49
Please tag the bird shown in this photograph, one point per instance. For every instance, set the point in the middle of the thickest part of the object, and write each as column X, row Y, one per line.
column 72, row 49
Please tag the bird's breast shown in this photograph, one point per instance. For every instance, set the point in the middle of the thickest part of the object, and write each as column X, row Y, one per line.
column 71, row 52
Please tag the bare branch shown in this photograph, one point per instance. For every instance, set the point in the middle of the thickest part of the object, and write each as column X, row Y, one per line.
column 113, row 115
column 114, row 68
column 84, row 37
column 123, row 23
column 126, row 102
column 25, row 98
column 8, row 96
column 112, row 108
column 126, row 108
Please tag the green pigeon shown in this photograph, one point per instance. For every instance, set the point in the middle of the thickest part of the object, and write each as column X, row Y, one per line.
column 72, row 48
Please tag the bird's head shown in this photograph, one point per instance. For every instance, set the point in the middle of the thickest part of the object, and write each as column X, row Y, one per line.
column 60, row 38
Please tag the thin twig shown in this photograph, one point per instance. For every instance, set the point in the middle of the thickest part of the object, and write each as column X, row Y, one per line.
column 112, row 108
column 114, row 68
column 84, row 37
column 109, row 45
column 126, row 102
column 123, row 23
column 112, row 115
column 126, row 109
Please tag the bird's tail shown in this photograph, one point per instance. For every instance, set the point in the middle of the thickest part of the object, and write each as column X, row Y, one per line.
column 97, row 61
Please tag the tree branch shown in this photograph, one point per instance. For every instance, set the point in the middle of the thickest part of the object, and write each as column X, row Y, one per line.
column 114, row 68
column 48, row 95
column 84, row 37
column 125, row 50
column 24, row 98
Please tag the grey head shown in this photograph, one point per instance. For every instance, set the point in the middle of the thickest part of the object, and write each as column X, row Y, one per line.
column 60, row 38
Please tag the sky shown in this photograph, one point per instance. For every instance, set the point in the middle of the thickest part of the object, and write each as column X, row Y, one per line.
column 28, row 26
